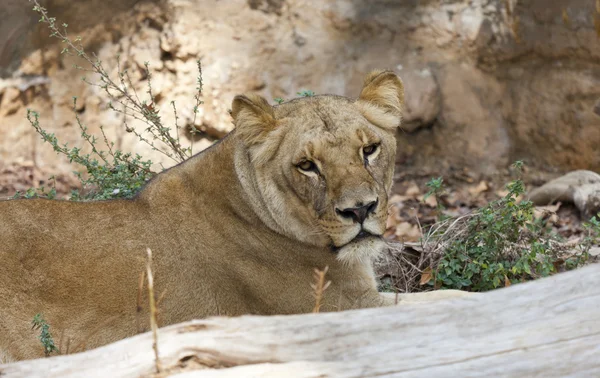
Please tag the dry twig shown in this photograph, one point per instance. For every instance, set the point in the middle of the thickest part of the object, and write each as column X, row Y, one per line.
column 319, row 287
column 152, row 310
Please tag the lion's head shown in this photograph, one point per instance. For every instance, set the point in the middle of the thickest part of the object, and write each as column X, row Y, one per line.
column 321, row 167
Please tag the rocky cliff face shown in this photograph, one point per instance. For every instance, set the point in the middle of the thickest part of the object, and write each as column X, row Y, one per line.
column 487, row 81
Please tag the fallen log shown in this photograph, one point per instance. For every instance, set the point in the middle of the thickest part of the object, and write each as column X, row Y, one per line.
column 549, row 328
column 581, row 188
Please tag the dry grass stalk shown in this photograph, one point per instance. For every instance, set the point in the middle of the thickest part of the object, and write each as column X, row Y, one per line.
column 60, row 341
column 68, row 345
column 508, row 7
column 62, row 350
column 319, row 287
column 407, row 269
column 152, row 310
column 158, row 302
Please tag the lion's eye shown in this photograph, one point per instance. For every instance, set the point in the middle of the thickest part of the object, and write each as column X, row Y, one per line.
column 370, row 149
column 307, row 165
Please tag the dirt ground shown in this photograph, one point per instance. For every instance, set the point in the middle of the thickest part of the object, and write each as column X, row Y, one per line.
column 465, row 191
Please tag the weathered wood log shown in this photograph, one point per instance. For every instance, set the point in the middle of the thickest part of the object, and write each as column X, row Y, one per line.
column 549, row 328
column 581, row 188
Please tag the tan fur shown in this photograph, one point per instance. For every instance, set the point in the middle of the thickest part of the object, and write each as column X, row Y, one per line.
column 382, row 99
column 237, row 229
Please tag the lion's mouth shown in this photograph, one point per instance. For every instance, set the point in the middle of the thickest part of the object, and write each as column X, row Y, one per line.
column 360, row 236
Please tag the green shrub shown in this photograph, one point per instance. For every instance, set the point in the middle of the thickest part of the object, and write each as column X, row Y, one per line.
column 499, row 244
column 436, row 189
column 45, row 336
column 109, row 172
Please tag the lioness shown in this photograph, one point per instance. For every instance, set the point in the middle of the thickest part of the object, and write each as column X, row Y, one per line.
column 237, row 229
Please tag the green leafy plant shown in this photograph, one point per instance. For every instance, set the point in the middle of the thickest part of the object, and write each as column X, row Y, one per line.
column 45, row 337
column 306, row 93
column 109, row 172
column 436, row 189
column 279, row 100
column 41, row 192
column 591, row 230
column 500, row 244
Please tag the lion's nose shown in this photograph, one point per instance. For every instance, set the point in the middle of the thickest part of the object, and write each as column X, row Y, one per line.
column 359, row 213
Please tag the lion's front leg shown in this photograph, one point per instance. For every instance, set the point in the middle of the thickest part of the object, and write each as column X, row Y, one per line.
column 391, row 299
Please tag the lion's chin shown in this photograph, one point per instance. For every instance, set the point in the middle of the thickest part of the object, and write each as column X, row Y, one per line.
column 362, row 249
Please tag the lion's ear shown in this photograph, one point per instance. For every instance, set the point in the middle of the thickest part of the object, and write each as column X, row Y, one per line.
column 381, row 99
column 253, row 118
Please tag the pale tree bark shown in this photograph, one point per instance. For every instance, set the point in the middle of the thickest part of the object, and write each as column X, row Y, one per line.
column 546, row 328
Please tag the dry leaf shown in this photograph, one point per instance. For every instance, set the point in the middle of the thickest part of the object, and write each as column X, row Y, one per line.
column 430, row 201
column 391, row 222
column 506, row 281
column 426, row 275
column 396, row 198
column 480, row 188
column 412, row 191
column 502, row 193
column 574, row 241
column 408, row 232
column 553, row 219
column 393, row 218
column 544, row 211
column 389, row 234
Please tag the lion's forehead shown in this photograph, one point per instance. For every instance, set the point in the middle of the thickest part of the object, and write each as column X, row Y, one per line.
column 325, row 127
column 329, row 112
column 350, row 136
column 320, row 143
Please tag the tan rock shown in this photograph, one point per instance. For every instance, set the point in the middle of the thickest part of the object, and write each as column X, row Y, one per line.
column 423, row 101
column 10, row 101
